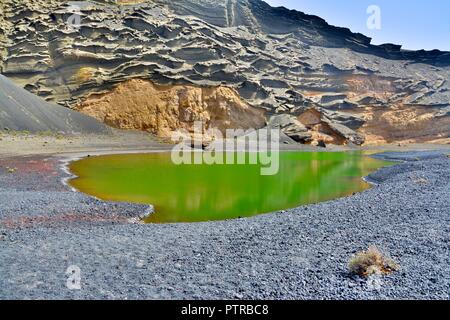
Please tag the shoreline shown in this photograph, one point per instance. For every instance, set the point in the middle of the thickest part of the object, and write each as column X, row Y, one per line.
column 14, row 145
column 45, row 228
column 66, row 161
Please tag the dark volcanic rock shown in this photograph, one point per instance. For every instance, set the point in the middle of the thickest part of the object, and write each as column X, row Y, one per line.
column 347, row 133
column 291, row 127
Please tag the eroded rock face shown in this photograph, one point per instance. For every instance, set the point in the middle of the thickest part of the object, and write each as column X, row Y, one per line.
column 162, row 109
column 283, row 61
column 405, row 124
column 290, row 126
column 332, row 127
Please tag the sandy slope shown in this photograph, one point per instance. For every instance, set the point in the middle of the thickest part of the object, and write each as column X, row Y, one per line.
column 21, row 110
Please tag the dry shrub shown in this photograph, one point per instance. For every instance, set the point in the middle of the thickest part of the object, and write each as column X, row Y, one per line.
column 11, row 170
column 371, row 262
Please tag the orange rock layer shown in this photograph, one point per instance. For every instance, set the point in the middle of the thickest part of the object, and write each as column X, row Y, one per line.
column 161, row 109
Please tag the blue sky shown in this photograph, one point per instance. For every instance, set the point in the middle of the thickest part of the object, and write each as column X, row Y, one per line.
column 416, row 24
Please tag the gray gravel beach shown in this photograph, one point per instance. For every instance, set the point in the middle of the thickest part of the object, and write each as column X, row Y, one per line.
column 298, row 254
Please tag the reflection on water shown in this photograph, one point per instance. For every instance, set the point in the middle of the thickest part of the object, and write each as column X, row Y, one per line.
column 191, row 193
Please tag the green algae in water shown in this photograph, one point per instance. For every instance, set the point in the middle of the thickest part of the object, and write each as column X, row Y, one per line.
column 193, row 193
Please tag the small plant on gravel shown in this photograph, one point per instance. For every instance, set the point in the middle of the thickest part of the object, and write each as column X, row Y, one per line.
column 371, row 262
column 11, row 170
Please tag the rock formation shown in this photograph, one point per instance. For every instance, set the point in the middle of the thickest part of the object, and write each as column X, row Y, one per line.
column 162, row 109
column 81, row 54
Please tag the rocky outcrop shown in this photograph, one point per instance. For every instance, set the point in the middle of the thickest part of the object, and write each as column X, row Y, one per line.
column 21, row 110
column 291, row 127
column 332, row 127
column 280, row 60
column 162, row 109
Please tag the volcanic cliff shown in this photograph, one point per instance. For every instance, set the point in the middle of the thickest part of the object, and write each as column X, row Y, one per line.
column 159, row 65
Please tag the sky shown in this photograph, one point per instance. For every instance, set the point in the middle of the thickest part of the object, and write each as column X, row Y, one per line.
column 416, row 24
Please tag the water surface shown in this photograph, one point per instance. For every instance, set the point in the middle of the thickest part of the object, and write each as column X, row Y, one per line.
column 192, row 193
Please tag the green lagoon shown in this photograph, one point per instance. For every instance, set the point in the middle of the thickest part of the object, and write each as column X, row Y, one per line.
column 194, row 193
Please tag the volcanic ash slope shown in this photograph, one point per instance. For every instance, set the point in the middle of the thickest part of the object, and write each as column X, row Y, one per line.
column 21, row 110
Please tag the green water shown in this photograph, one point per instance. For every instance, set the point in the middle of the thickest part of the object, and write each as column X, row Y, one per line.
column 192, row 193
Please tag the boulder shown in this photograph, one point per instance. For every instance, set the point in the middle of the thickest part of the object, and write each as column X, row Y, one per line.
column 367, row 99
column 351, row 121
column 340, row 105
column 290, row 126
column 329, row 98
column 347, row 133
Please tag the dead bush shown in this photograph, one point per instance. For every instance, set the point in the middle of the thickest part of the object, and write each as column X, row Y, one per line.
column 371, row 262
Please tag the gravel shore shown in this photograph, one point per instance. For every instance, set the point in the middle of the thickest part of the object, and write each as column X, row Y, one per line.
column 297, row 254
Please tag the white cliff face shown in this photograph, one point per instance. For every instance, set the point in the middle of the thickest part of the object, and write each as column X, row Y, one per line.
column 284, row 62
